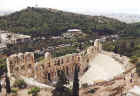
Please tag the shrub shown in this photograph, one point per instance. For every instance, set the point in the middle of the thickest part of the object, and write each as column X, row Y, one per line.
column 34, row 91
column 3, row 66
column 85, row 85
column 14, row 90
column 134, row 59
column 20, row 84
column 91, row 91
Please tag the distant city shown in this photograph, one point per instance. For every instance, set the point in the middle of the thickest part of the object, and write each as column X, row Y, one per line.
column 124, row 16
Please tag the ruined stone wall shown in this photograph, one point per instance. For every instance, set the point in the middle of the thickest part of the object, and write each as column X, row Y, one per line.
column 48, row 69
column 22, row 64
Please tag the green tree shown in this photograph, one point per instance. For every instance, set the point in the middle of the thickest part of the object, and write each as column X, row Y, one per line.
column 8, row 87
column 60, row 88
column 116, row 48
column 123, row 48
column 0, row 87
column 132, row 45
column 3, row 66
column 76, row 82
column 34, row 91
column 20, row 84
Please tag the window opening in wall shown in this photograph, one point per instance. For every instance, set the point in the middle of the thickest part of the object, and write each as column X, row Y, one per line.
column 67, row 70
column 87, row 60
column 58, row 72
column 49, row 76
column 58, row 62
column 30, row 65
column 62, row 61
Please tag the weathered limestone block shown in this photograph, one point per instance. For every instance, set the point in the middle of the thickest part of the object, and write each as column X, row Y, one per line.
column 98, row 44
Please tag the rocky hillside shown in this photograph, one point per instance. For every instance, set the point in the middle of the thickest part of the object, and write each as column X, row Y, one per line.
column 37, row 21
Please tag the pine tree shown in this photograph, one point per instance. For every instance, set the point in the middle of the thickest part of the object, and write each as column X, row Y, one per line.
column 0, row 86
column 8, row 88
column 123, row 48
column 132, row 45
column 116, row 49
column 76, row 82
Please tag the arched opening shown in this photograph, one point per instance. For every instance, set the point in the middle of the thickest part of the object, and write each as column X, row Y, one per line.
column 72, row 58
column 87, row 60
column 30, row 66
column 67, row 70
column 23, row 67
column 49, row 76
column 62, row 61
column 58, row 62
column 58, row 72
column 63, row 69
column 78, row 59
column 78, row 68
column 49, row 65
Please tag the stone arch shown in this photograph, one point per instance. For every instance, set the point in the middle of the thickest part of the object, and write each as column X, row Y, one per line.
column 48, row 64
column 58, row 72
column 52, row 75
column 58, row 62
column 46, row 75
column 63, row 68
column 73, row 67
column 78, row 58
column 62, row 61
column 72, row 58
column 79, row 67
column 55, row 61
column 49, row 76
column 87, row 60
column 67, row 70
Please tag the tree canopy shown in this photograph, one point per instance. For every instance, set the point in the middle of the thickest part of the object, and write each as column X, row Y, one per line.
column 40, row 21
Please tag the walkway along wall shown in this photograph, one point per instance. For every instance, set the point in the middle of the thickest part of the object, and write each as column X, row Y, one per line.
column 48, row 69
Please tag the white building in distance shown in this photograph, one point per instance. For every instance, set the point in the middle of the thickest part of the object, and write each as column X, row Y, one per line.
column 12, row 38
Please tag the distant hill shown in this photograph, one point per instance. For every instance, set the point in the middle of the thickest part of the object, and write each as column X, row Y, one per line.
column 37, row 21
column 3, row 13
column 136, row 27
column 124, row 17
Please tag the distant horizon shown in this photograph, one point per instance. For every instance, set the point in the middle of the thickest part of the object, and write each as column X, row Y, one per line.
column 78, row 10
column 101, row 11
column 104, row 6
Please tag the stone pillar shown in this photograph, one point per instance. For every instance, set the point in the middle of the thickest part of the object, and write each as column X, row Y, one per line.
column 98, row 44
column 8, row 67
column 48, row 57
column 3, row 91
column 29, row 64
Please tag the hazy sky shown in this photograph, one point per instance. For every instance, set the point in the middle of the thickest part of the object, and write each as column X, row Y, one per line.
column 123, row 6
